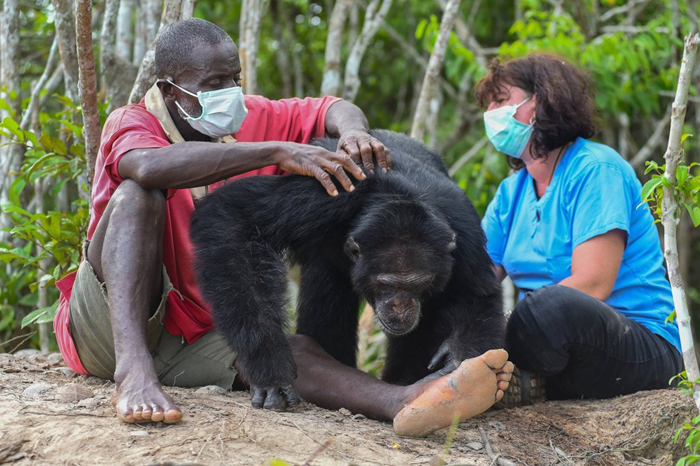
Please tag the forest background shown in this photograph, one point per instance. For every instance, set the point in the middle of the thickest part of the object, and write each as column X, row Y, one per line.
column 374, row 53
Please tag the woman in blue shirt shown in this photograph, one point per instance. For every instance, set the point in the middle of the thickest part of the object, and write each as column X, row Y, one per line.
column 566, row 228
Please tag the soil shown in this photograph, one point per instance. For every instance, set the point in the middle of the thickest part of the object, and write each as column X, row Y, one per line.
column 48, row 416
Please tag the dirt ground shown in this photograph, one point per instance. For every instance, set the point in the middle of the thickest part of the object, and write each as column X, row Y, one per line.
column 49, row 416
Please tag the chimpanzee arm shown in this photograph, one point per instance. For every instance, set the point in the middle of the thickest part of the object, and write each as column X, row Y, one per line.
column 328, row 308
column 470, row 311
column 243, row 279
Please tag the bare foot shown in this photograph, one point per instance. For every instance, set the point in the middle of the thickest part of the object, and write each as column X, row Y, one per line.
column 470, row 390
column 138, row 399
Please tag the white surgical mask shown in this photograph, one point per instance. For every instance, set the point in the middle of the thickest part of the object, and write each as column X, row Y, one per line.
column 223, row 111
column 507, row 134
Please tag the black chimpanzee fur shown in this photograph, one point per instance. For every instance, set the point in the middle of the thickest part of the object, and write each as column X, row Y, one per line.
column 408, row 241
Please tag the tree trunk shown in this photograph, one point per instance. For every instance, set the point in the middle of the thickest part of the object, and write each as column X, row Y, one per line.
column 87, row 84
column 282, row 52
column 33, row 105
column 187, row 10
column 434, row 119
column 673, row 155
column 140, row 43
column 147, row 71
column 249, row 42
column 374, row 17
column 432, row 73
column 334, row 44
column 354, row 25
column 11, row 154
column 64, row 20
column 290, row 43
column 116, row 70
column 154, row 20
column 125, row 28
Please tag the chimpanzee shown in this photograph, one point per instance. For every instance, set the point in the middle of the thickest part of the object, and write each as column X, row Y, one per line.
column 408, row 241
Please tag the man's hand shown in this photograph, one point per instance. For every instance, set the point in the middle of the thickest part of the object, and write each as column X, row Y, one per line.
column 364, row 149
column 319, row 163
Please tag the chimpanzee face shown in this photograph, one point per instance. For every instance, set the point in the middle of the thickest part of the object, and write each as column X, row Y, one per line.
column 396, row 275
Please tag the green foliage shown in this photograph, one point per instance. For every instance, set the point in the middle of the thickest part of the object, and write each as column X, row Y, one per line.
column 45, row 243
column 686, row 191
column 692, row 428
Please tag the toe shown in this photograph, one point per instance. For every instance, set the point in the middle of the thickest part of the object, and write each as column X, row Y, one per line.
column 495, row 359
column 146, row 413
column 499, row 394
column 502, row 385
column 138, row 413
column 172, row 416
column 157, row 415
column 126, row 416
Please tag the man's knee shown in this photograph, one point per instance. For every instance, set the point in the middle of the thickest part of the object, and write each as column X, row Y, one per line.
column 131, row 199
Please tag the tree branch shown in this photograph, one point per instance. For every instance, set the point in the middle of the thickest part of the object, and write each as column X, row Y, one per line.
column 652, row 143
column 147, row 71
column 334, row 43
column 669, row 216
column 34, row 99
column 87, row 84
column 374, row 17
column 433, row 71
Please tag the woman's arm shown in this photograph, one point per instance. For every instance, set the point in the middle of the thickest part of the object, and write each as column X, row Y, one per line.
column 595, row 264
column 500, row 273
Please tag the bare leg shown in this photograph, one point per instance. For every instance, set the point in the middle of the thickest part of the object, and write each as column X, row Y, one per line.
column 419, row 408
column 126, row 254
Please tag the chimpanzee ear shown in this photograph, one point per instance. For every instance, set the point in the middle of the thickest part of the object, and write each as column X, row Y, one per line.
column 453, row 243
column 352, row 249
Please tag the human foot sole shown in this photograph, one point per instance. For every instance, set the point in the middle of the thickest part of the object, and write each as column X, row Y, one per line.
column 469, row 390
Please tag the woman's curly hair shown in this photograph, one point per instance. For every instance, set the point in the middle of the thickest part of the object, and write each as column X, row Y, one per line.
column 565, row 108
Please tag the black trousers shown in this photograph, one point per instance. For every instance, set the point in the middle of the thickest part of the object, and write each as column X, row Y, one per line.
column 584, row 348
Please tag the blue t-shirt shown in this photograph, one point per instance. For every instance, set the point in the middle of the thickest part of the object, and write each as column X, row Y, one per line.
column 593, row 191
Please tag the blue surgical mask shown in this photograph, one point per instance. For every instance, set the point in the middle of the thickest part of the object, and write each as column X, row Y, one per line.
column 507, row 134
column 223, row 111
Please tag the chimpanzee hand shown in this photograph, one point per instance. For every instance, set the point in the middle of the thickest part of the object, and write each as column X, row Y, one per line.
column 360, row 146
column 276, row 398
column 270, row 379
column 442, row 354
column 319, row 163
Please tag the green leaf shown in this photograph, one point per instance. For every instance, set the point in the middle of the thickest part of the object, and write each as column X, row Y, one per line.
column 55, row 226
column 277, row 462
column 31, row 137
column 13, row 127
column 45, row 141
column 15, row 209
column 59, row 146
column 681, row 174
column 694, row 212
column 41, row 316
column 671, row 317
column 649, row 187
column 15, row 189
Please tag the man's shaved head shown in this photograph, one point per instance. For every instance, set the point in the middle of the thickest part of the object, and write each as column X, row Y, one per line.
column 178, row 41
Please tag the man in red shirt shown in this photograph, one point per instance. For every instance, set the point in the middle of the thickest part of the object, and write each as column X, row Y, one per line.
column 132, row 312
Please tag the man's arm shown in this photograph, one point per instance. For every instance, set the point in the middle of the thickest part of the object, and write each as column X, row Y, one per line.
column 191, row 164
column 595, row 264
column 346, row 121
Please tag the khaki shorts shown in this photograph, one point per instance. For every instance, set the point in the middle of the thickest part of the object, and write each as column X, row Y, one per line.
column 207, row 361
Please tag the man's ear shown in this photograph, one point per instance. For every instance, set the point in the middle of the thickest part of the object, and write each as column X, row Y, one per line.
column 167, row 89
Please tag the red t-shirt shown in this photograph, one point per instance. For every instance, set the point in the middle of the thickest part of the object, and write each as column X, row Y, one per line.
column 134, row 127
